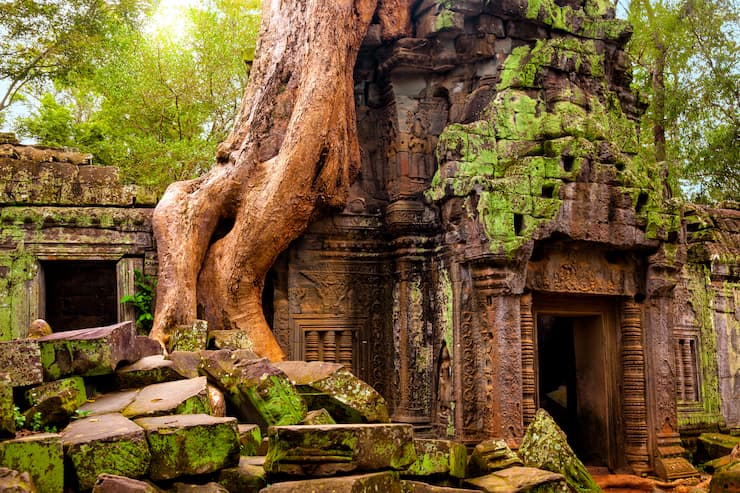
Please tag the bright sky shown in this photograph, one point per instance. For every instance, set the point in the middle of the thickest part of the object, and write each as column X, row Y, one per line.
column 170, row 16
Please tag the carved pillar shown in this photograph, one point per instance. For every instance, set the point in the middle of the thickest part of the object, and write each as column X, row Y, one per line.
column 528, row 375
column 633, row 387
column 669, row 461
column 501, row 383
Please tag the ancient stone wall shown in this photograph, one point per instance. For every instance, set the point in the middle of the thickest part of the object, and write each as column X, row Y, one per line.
column 57, row 208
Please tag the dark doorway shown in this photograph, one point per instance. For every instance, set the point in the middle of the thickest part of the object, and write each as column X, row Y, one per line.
column 572, row 382
column 80, row 294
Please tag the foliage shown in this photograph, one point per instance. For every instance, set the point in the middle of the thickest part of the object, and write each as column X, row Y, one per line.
column 160, row 100
column 52, row 40
column 688, row 67
column 143, row 300
column 18, row 417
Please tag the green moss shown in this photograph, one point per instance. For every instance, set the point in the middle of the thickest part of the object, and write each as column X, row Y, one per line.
column 17, row 270
column 41, row 456
column 445, row 20
column 276, row 400
column 124, row 457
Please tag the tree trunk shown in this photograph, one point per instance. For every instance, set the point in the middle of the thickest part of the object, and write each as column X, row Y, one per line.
column 293, row 151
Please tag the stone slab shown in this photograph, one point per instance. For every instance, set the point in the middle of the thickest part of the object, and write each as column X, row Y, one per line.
column 438, row 458
column 410, row 486
column 519, row 479
column 20, row 360
column 40, row 455
column 111, row 483
column 333, row 387
column 386, row 482
column 12, row 481
column 250, row 438
column 114, row 402
column 108, row 443
column 318, row 417
column 87, row 352
column 198, row 488
column 147, row 371
column 186, row 363
column 325, row 450
column 55, row 402
column 726, row 481
column 192, row 337
column 190, row 444
column 491, row 455
column 188, row 396
column 245, row 478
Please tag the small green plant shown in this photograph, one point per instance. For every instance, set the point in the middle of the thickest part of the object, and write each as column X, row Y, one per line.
column 36, row 423
column 19, row 418
column 143, row 300
column 80, row 413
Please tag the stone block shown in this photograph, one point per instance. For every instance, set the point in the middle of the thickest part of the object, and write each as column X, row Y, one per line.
column 191, row 337
column 318, row 417
column 386, row 481
column 438, row 458
column 198, row 488
column 186, row 363
column 188, row 396
column 20, row 360
column 325, row 450
column 714, row 445
column 146, row 346
column 516, row 479
column 108, row 443
column 55, row 402
column 147, row 371
column 260, row 392
column 250, row 438
column 726, row 481
column 332, row 387
column 190, row 444
column 490, row 456
column 110, row 483
column 87, row 352
column 40, row 455
column 420, row 487
column 12, row 481
column 245, row 478
column 114, row 402
column 7, row 409
column 230, row 339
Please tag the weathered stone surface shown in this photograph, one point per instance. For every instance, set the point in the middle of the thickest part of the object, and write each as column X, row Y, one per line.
column 347, row 398
column 324, row 450
column 409, row 486
column 216, row 401
column 516, row 479
column 147, row 371
column 114, row 402
column 108, row 443
column 20, row 360
column 188, row 396
column 438, row 458
column 318, row 417
column 193, row 337
column 145, row 347
column 230, row 339
column 246, row 477
column 491, row 455
column 250, row 438
column 186, row 363
column 726, row 480
column 260, row 392
column 714, row 445
column 56, row 401
column 198, row 488
column 189, row 444
column 545, row 446
column 16, row 482
column 386, row 482
column 87, row 352
column 40, row 455
column 7, row 409
column 111, row 483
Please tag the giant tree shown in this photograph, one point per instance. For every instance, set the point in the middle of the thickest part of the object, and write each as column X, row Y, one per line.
column 292, row 152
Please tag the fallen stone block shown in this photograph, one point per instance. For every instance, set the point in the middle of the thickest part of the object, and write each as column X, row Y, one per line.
column 230, row 339
column 516, row 479
column 193, row 337
column 325, row 450
column 332, row 387
column 54, row 402
column 190, row 444
column 409, row 486
column 245, row 478
column 87, row 352
column 260, row 392
column 179, row 397
column 7, row 409
column 545, row 446
column 726, row 480
column 114, row 402
column 108, row 443
column 714, row 445
column 318, row 417
column 147, row 371
column 490, row 456
column 20, row 360
column 40, row 455
column 186, row 363
column 250, row 438
column 111, row 483
column 386, row 481
column 16, row 482
column 438, row 458
column 198, row 488
column 145, row 346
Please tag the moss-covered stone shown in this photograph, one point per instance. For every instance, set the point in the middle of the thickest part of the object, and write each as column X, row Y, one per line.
column 250, row 438
column 108, row 443
column 147, row 371
column 490, row 456
column 193, row 337
column 438, row 458
column 715, row 445
column 726, row 481
column 7, row 409
column 318, row 417
column 114, row 402
column 545, row 446
column 179, row 397
column 245, row 478
column 12, row 481
column 230, row 339
column 40, row 455
column 324, row 450
column 20, row 362
column 56, row 401
column 522, row 479
column 190, row 444
column 109, row 483
column 387, row 482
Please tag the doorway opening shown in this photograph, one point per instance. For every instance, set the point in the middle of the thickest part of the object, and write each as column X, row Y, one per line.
column 80, row 294
column 572, row 381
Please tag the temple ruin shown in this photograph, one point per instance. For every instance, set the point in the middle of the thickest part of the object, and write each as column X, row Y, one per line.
column 506, row 247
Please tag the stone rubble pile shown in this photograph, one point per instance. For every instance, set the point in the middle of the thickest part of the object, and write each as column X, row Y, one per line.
column 113, row 414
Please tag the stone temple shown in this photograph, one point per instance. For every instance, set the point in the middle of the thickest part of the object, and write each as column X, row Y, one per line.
column 504, row 248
